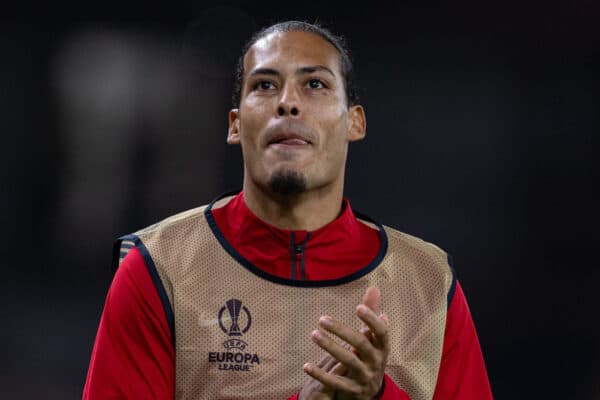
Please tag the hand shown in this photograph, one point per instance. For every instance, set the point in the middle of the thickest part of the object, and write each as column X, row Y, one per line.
column 359, row 373
column 315, row 390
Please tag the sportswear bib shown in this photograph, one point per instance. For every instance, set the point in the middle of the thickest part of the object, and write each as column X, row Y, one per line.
column 242, row 334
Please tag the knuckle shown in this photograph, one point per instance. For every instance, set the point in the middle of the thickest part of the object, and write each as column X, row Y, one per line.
column 385, row 330
column 378, row 358
column 356, row 390
column 383, row 333
column 362, row 341
column 369, row 376
column 354, row 362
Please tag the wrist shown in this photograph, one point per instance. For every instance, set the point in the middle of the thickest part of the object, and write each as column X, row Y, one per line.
column 381, row 390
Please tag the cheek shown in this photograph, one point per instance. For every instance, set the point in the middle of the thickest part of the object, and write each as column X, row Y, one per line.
column 255, row 117
column 258, row 106
column 335, row 126
column 249, row 132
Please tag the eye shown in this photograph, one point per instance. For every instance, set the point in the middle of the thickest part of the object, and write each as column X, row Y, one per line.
column 264, row 85
column 316, row 84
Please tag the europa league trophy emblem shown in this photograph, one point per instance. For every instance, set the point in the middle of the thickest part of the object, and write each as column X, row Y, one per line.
column 234, row 307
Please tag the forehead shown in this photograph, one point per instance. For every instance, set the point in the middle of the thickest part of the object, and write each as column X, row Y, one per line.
column 293, row 49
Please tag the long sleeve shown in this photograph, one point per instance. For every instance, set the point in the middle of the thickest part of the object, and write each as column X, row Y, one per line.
column 462, row 374
column 390, row 391
column 133, row 355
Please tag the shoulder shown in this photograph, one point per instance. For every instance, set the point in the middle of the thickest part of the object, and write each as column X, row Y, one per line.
column 174, row 222
column 414, row 243
column 427, row 262
column 173, row 228
column 396, row 238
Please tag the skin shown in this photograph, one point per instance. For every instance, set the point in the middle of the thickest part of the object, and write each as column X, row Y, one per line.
column 354, row 371
column 293, row 86
column 294, row 118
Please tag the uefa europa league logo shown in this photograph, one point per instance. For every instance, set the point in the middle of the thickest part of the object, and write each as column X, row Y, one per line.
column 234, row 307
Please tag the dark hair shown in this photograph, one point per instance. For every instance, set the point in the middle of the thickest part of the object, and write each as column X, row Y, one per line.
column 290, row 26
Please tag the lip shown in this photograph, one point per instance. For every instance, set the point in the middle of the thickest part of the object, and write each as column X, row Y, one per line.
column 288, row 140
column 289, row 147
column 289, row 134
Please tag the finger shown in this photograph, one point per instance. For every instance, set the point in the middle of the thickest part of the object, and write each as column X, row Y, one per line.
column 339, row 369
column 331, row 381
column 372, row 298
column 377, row 326
column 367, row 332
column 333, row 366
column 327, row 362
column 341, row 353
column 362, row 345
column 385, row 318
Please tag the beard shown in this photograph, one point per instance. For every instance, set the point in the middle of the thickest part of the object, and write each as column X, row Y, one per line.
column 287, row 183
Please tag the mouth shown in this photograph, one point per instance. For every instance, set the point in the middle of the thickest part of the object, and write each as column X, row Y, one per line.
column 288, row 141
column 290, row 136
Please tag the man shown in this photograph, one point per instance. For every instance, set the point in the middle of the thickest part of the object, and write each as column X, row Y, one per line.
column 241, row 298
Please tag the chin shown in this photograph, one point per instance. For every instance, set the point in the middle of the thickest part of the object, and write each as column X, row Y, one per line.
column 287, row 182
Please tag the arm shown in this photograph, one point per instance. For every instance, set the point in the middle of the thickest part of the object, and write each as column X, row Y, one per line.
column 133, row 356
column 462, row 372
column 390, row 391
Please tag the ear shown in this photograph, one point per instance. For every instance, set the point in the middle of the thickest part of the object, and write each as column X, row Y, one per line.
column 233, row 134
column 357, row 119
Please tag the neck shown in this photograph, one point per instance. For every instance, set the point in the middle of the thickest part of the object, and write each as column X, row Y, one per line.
column 308, row 211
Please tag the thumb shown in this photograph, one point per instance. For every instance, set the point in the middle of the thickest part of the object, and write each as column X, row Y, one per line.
column 372, row 298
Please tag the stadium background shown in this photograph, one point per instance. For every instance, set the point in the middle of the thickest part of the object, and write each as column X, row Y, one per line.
column 482, row 131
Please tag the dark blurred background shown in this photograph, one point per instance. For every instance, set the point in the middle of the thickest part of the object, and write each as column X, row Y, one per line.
column 482, row 132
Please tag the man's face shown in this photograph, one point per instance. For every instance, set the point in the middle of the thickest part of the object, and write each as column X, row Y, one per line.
column 293, row 118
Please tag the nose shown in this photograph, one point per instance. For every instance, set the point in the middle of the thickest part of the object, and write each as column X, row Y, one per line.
column 289, row 102
column 282, row 110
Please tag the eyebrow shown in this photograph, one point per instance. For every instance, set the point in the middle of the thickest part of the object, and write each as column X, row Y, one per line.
column 315, row 68
column 264, row 71
column 303, row 70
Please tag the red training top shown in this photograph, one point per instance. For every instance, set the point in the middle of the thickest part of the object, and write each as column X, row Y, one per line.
column 134, row 357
